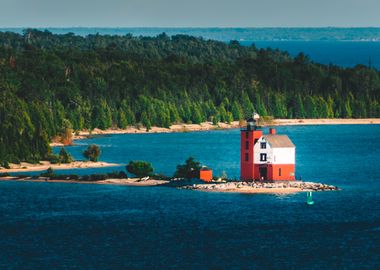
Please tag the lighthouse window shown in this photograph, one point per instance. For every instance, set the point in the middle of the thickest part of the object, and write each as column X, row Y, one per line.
column 263, row 157
column 246, row 157
column 279, row 172
column 246, row 134
column 246, row 144
column 263, row 145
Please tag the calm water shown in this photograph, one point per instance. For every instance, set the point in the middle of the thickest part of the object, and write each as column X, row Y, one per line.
column 50, row 225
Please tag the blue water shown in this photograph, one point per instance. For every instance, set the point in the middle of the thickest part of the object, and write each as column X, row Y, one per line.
column 56, row 226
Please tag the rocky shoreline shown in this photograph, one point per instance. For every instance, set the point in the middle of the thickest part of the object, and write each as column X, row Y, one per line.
column 284, row 187
column 262, row 187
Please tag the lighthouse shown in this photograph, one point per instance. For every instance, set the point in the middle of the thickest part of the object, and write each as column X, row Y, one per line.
column 269, row 157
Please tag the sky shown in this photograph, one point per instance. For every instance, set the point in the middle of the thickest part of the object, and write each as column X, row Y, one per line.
column 189, row 13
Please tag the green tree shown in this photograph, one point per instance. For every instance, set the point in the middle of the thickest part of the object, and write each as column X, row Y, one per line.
column 299, row 110
column 196, row 116
column 237, row 112
column 64, row 156
column 140, row 168
column 188, row 170
column 146, row 121
column 247, row 105
column 122, row 119
column 92, row 152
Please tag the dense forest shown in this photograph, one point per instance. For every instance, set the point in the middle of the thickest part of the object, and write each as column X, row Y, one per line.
column 228, row 33
column 53, row 83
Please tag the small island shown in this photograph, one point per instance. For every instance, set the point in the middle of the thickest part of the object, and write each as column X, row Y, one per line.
column 262, row 187
column 188, row 176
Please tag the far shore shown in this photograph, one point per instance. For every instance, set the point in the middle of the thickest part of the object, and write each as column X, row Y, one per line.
column 323, row 121
column 44, row 165
column 206, row 126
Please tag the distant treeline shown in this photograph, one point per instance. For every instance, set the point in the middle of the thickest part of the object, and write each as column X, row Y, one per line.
column 51, row 83
column 226, row 34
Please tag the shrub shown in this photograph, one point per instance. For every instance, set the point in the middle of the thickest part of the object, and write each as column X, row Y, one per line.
column 92, row 152
column 65, row 157
column 98, row 177
column 53, row 158
column 6, row 165
column 188, row 170
column 140, row 168
column 117, row 175
column 160, row 176
column 49, row 173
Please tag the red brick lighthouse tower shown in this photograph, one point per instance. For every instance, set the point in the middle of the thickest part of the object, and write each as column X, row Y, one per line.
column 269, row 157
column 249, row 136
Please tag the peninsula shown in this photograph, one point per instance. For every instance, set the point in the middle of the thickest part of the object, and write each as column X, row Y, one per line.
column 56, row 84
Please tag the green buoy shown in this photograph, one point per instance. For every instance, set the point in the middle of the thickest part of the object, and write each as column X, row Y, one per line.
column 309, row 198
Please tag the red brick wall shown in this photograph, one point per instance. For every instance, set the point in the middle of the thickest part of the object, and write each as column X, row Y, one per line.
column 247, row 167
column 287, row 172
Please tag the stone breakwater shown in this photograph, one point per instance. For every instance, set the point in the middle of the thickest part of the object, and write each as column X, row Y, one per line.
column 251, row 187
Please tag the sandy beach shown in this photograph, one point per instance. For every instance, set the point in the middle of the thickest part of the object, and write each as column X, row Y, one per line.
column 136, row 182
column 209, row 126
column 337, row 121
column 173, row 128
column 44, row 165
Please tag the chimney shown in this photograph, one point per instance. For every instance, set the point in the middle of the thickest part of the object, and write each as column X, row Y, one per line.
column 272, row 131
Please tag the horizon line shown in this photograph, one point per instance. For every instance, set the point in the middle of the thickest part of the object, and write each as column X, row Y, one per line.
column 200, row 27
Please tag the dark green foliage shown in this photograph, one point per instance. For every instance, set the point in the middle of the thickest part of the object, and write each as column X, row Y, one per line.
column 49, row 173
column 50, row 84
column 5, row 165
column 117, row 175
column 93, row 177
column 99, row 177
column 188, row 170
column 140, row 168
column 53, row 158
column 92, row 152
column 65, row 157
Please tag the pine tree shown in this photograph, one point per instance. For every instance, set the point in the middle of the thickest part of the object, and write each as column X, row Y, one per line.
column 65, row 157
column 237, row 113
column 146, row 121
column 247, row 105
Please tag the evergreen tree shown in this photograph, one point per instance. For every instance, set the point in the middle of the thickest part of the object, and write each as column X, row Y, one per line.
column 92, row 152
column 247, row 106
column 299, row 110
column 237, row 113
column 145, row 121
column 65, row 157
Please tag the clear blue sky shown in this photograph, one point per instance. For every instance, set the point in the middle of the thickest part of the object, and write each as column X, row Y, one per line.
column 189, row 13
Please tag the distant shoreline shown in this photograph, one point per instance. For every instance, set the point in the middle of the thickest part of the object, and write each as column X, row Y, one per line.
column 44, row 165
column 323, row 121
column 207, row 126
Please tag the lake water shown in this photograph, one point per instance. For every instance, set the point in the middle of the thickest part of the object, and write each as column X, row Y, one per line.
column 55, row 225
